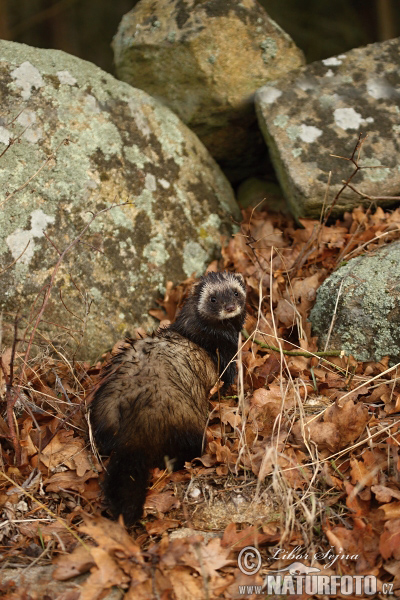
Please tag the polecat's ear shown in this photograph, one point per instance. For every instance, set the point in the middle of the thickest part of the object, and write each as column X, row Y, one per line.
column 195, row 287
column 240, row 276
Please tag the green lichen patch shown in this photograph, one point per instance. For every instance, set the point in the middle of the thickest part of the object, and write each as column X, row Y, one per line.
column 367, row 293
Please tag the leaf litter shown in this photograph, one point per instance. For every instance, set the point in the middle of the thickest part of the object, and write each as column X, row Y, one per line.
column 303, row 453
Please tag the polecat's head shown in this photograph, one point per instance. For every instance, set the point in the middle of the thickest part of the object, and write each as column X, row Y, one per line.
column 221, row 296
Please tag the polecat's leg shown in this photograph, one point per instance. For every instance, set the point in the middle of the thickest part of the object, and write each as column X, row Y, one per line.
column 125, row 484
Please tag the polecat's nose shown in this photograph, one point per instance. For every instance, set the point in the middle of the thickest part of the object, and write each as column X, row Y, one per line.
column 230, row 307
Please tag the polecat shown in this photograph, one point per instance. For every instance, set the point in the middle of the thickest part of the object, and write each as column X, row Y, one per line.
column 153, row 403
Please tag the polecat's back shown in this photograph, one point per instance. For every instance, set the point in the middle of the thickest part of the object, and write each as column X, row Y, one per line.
column 156, row 386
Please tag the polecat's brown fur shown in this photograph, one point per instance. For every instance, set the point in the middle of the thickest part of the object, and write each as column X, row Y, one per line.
column 153, row 403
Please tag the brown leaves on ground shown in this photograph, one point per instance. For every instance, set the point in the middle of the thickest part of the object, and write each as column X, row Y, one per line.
column 306, row 453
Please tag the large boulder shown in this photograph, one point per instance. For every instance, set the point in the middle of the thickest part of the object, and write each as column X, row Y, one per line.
column 320, row 110
column 205, row 60
column 367, row 316
column 124, row 147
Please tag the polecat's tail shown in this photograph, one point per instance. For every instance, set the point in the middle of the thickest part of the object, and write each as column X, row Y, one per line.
column 125, row 484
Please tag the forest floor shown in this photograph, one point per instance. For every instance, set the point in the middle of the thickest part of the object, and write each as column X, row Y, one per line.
column 301, row 462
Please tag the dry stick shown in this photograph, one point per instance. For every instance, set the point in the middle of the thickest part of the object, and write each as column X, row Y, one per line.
column 333, row 316
column 292, row 352
column 373, row 198
column 358, row 146
column 374, row 239
column 10, row 397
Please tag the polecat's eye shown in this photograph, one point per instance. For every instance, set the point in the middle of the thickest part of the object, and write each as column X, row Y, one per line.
column 236, row 293
column 213, row 299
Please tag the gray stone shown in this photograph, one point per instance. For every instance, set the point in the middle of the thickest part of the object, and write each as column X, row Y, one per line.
column 124, row 147
column 255, row 192
column 205, row 60
column 367, row 322
column 320, row 110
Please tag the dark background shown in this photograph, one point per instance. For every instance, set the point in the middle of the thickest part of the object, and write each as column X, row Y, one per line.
column 321, row 28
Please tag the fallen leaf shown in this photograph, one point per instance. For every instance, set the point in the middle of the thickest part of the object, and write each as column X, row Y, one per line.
column 69, row 565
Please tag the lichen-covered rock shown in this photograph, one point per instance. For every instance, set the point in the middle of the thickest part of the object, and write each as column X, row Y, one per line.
column 205, row 60
column 320, row 110
column 124, row 147
column 367, row 322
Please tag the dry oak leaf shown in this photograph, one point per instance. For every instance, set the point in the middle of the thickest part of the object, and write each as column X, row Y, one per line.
column 161, row 502
column 64, row 449
column 206, row 559
column 69, row 480
column 361, row 544
column 158, row 526
column 111, row 536
column 69, row 565
column 350, row 418
column 103, row 576
column 354, row 502
column 389, row 544
column 251, row 536
column 185, row 585
column 384, row 493
column 391, row 510
column 361, row 473
column 325, row 435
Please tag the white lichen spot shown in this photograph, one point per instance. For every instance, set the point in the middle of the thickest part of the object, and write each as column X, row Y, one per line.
column 328, row 100
column 347, row 118
column 155, row 251
column 66, row 78
column 121, row 218
column 379, row 88
column 27, row 119
column 96, row 294
column 374, row 175
column 150, row 182
column 269, row 94
column 213, row 221
column 329, row 73
column 296, row 152
column 194, row 259
column 91, row 104
column 269, row 49
column 164, row 184
column 309, row 133
column 23, row 238
column 293, row 132
column 281, row 121
column 333, row 61
column 5, row 136
column 27, row 77
column 140, row 120
column 136, row 156
column 33, row 135
column 305, row 84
